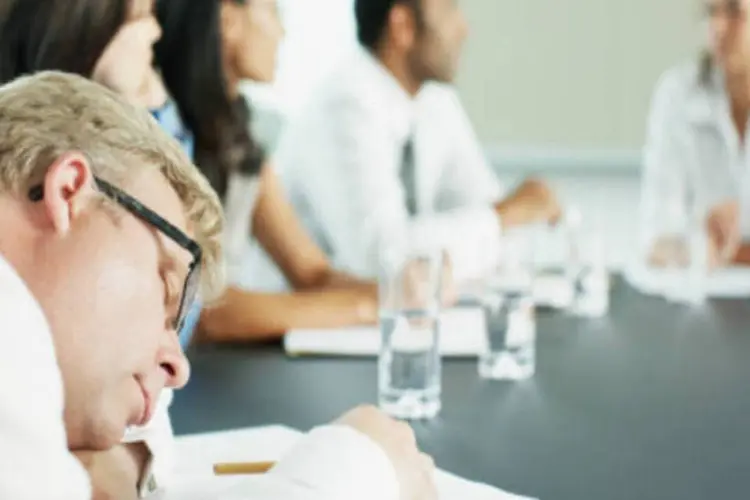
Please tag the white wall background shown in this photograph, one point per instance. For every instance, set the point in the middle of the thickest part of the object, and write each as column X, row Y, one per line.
column 571, row 74
column 537, row 75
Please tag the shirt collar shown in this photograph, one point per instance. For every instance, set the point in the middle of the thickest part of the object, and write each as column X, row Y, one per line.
column 706, row 98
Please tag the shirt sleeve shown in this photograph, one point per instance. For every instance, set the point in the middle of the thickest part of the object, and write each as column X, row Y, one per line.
column 330, row 463
column 467, row 192
column 33, row 441
column 666, row 156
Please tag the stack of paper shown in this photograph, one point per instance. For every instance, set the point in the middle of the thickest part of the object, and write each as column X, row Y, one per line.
column 731, row 282
column 198, row 453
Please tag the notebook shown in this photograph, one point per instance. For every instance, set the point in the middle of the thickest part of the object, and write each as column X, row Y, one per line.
column 462, row 334
column 197, row 454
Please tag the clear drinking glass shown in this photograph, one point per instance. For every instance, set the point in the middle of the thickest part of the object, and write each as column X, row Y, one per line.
column 679, row 246
column 509, row 351
column 587, row 272
column 409, row 370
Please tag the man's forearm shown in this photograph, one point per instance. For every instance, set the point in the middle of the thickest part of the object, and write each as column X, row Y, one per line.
column 742, row 257
column 339, row 279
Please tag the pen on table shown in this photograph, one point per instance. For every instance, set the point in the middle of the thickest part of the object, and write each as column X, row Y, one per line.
column 230, row 468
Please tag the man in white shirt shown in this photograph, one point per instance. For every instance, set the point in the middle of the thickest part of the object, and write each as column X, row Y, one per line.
column 107, row 233
column 385, row 148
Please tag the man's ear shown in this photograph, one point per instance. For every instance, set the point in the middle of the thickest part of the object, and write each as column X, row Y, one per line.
column 402, row 26
column 68, row 188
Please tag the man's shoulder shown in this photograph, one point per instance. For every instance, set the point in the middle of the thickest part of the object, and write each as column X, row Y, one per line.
column 440, row 98
column 353, row 85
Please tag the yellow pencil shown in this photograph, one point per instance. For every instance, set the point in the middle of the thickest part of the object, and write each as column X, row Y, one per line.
column 229, row 468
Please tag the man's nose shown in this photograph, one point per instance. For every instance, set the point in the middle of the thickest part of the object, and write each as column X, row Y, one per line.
column 173, row 362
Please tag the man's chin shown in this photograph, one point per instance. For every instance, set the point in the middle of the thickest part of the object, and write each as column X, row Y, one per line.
column 99, row 437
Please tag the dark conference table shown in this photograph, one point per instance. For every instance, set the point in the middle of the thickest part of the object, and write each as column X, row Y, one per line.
column 652, row 402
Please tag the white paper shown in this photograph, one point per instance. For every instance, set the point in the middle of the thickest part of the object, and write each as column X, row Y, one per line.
column 730, row 282
column 462, row 334
column 549, row 289
column 197, row 454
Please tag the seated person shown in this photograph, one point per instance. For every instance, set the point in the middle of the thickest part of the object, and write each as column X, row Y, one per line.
column 114, row 233
column 384, row 150
column 695, row 158
column 205, row 49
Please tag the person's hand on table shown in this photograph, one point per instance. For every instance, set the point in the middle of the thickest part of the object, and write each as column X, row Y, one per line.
column 723, row 230
column 114, row 473
column 414, row 469
column 533, row 201
column 723, row 241
column 419, row 282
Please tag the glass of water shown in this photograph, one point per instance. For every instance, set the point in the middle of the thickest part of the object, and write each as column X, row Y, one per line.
column 409, row 373
column 588, row 274
column 509, row 351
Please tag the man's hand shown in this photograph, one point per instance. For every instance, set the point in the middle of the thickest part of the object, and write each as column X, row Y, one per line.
column 115, row 473
column 532, row 202
column 723, row 229
column 415, row 470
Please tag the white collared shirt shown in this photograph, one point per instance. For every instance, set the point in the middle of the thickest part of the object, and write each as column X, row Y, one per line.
column 692, row 145
column 340, row 160
column 34, row 459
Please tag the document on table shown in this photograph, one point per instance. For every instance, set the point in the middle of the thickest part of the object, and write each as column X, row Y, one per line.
column 462, row 334
column 731, row 282
column 196, row 455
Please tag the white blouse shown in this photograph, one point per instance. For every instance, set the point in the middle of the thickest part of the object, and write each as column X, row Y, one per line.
column 692, row 146
column 239, row 205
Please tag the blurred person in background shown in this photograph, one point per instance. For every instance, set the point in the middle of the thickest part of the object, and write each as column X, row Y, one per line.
column 384, row 150
column 696, row 147
column 206, row 49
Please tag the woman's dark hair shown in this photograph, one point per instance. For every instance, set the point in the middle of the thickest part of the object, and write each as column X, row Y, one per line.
column 63, row 35
column 189, row 55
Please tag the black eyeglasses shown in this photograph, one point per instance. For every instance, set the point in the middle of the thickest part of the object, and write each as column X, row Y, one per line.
column 135, row 207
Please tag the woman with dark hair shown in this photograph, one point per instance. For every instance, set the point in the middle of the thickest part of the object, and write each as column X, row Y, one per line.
column 696, row 155
column 110, row 42
column 206, row 48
